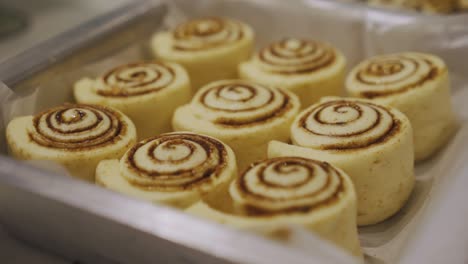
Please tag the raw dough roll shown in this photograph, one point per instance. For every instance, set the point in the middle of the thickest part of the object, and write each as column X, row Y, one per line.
column 77, row 136
column 416, row 84
column 308, row 68
column 209, row 48
column 148, row 92
column 243, row 114
column 371, row 143
column 175, row 169
column 276, row 193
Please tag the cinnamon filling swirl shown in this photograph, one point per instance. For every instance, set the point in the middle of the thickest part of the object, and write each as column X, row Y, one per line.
column 287, row 185
column 393, row 74
column 174, row 162
column 206, row 33
column 136, row 79
column 237, row 103
column 77, row 127
column 296, row 56
column 345, row 125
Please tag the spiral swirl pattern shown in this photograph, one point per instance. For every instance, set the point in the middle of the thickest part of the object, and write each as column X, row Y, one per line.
column 77, row 127
column 206, row 33
column 344, row 125
column 239, row 103
column 174, row 162
column 295, row 56
column 136, row 79
column 287, row 185
column 393, row 74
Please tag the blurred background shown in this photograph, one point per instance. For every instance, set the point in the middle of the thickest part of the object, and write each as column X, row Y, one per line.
column 24, row 23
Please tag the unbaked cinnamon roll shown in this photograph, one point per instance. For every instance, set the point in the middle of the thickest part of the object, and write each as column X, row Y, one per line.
column 418, row 85
column 175, row 169
column 243, row 114
column 310, row 69
column 276, row 193
column 209, row 48
column 77, row 136
column 371, row 143
column 148, row 92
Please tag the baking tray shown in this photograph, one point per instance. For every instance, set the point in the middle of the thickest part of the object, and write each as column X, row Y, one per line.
column 85, row 222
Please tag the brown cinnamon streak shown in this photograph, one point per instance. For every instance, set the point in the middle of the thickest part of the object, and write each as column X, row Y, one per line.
column 286, row 106
column 185, row 31
column 195, row 177
column 431, row 75
column 390, row 132
column 315, row 64
column 125, row 91
column 256, row 211
column 116, row 130
column 233, row 87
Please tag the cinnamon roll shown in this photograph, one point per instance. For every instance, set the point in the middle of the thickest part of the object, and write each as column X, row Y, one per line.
column 276, row 193
column 77, row 136
column 148, row 92
column 209, row 48
column 175, row 169
column 243, row 114
column 310, row 69
column 371, row 143
column 416, row 84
